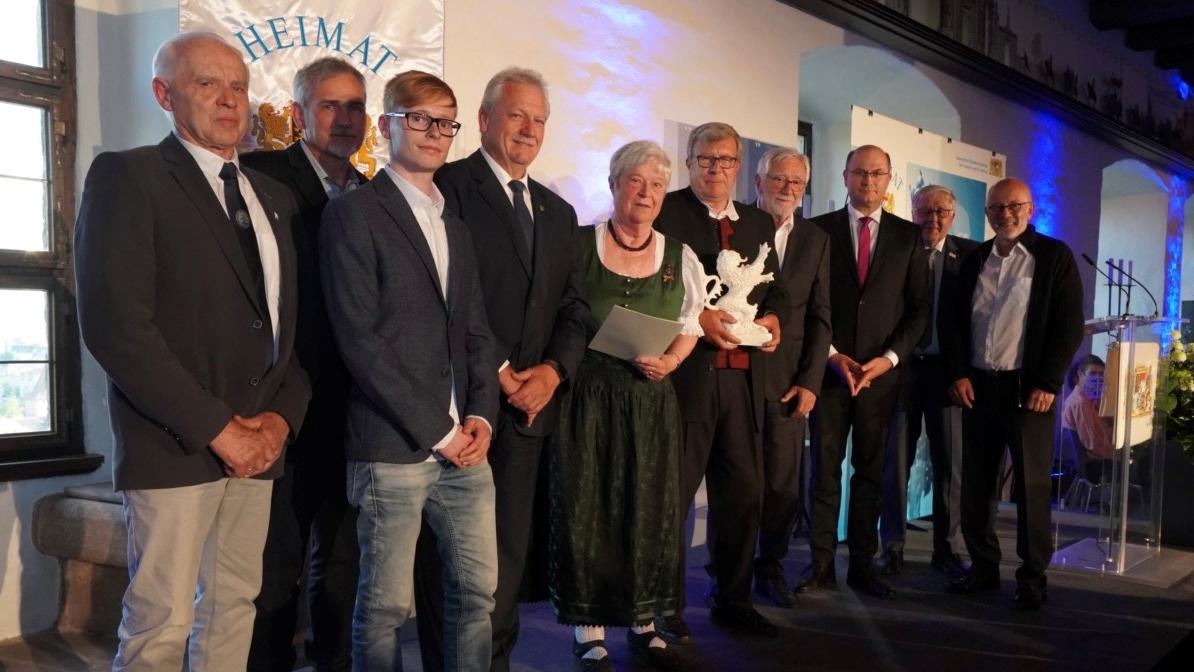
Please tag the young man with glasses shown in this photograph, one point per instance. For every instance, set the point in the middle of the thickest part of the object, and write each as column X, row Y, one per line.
column 405, row 302
column 1015, row 326
column 718, row 386
column 880, row 301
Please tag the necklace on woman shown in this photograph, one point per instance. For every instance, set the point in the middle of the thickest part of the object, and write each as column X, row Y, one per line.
column 613, row 232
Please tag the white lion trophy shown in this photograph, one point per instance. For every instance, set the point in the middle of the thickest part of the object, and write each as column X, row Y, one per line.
column 739, row 278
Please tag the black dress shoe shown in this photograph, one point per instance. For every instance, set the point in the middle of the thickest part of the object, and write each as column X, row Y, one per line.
column 949, row 565
column 816, row 577
column 673, row 629
column 663, row 658
column 974, row 581
column 1029, row 597
column 775, row 588
column 744, row 619
column 579, row 650
column 866, row 581
column 890, row 562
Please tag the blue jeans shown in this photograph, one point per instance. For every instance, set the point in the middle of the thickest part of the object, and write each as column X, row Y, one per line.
column 393, row 499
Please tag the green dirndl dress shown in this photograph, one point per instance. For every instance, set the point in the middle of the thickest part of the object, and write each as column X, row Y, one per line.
column 615, row 465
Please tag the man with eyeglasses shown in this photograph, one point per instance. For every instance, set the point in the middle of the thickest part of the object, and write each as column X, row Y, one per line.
column 309, row 503
column 524, row 236
column 1014, row 329
column 792, row 377
column 923, row 398
column 881, row 305
column 405, row 301
column 719, row 386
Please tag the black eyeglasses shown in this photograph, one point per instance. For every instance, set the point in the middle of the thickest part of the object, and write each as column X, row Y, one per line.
column 417, row 121
column 1014, row 208
column 782, row 182
column 929, row 212
column 705, row 161
column 873, row 174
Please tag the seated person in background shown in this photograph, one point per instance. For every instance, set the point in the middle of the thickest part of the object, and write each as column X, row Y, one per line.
column 1081, row 414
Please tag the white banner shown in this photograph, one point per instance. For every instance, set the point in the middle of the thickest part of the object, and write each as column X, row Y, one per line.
column 381, row 37
column 920, row 158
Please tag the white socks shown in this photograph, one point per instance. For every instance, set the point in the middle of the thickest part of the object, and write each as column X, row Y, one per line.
column 656, row 642
column 589, row 633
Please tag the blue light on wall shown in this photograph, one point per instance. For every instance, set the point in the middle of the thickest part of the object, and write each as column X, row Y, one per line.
column 1043, row 165
column 1172, row 299
column 1179, row 85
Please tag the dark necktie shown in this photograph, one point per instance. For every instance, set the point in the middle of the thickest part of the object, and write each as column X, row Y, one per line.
column 927, row 339
column 864, row 248
column 238, row 215
column 525, row 221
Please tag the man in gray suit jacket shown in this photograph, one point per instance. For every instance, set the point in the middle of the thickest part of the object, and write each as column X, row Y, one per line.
column 406, row 307
column 187, row 299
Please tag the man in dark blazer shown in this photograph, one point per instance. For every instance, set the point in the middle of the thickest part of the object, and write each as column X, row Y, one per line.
column 924, row 397
column 718, row 386
column 408, row 313
column 309, row 503
column 881, row 306
column 524, row 236
column 792, row 376
column 187, row 299
column 1015, row 327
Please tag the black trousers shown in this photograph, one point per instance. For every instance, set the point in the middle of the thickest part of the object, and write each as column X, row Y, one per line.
column 725, row 452
column 869, row 416
column 923, row 398
column 997, row 422
column 309, row 506
column 783, row 450
column 515, row 460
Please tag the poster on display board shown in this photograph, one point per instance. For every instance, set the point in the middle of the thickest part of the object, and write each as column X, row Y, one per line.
column 379, row 37
column 920, row 158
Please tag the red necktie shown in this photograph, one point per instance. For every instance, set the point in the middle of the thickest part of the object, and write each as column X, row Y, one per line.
column 864, row 248
column 737, row 358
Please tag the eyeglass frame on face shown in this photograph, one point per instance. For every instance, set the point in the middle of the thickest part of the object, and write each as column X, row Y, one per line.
column 929, row 212
column 783, row 182
column 1014, row 208
column 452, row 124
column 723, row 162
column 861, row 174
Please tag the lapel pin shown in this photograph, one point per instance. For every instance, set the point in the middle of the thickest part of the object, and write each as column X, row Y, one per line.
column 275, row 216
column 952, row 255
column 541, row 209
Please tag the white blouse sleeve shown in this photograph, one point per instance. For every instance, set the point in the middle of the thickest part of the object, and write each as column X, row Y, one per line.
column 694, row 293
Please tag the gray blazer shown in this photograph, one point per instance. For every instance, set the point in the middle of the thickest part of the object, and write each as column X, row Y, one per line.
column 403, row 341
column 165, row 308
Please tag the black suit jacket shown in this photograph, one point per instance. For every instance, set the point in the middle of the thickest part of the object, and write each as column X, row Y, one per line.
column 685, row 218
column 405, row 343
column 536, row 305
column 955, row 250
column 893, row 309
column 804, row 346
column 315, row 346
column 1054, row 324
column 166, row 307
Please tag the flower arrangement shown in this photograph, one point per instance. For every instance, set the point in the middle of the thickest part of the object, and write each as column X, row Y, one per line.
column 1176, row 400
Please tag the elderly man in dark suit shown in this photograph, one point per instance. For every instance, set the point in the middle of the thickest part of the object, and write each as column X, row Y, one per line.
column 924, row 398
column 1015, row 327
column 308, row 505
column 408, row 313
column 187, row 298
column 793, row 375
column 524, row 236
column 719, row 386
column 881, row 306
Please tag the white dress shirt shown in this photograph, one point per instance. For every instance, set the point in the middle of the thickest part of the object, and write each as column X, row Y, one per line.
column 729, row 211
column 329, row 185
column 429, row 213
column 873, row 227
column 997, row 322
column 690, row 269
column 781, row 238
column 504, row 178
column 210, row 165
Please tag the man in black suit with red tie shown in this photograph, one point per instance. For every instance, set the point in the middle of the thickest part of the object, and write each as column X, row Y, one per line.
column 793, row 375
column 525, row 238
column 309, row 500
column 718, row 386
column 881, row 303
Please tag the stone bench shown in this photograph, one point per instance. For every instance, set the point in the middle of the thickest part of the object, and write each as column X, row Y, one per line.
column 83, row 527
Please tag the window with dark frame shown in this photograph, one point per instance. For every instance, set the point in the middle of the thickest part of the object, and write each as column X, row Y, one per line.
column 41, row 431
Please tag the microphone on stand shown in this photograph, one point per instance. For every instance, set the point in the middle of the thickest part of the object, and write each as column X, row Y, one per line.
column 1120, row 268
column 1111, row 282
